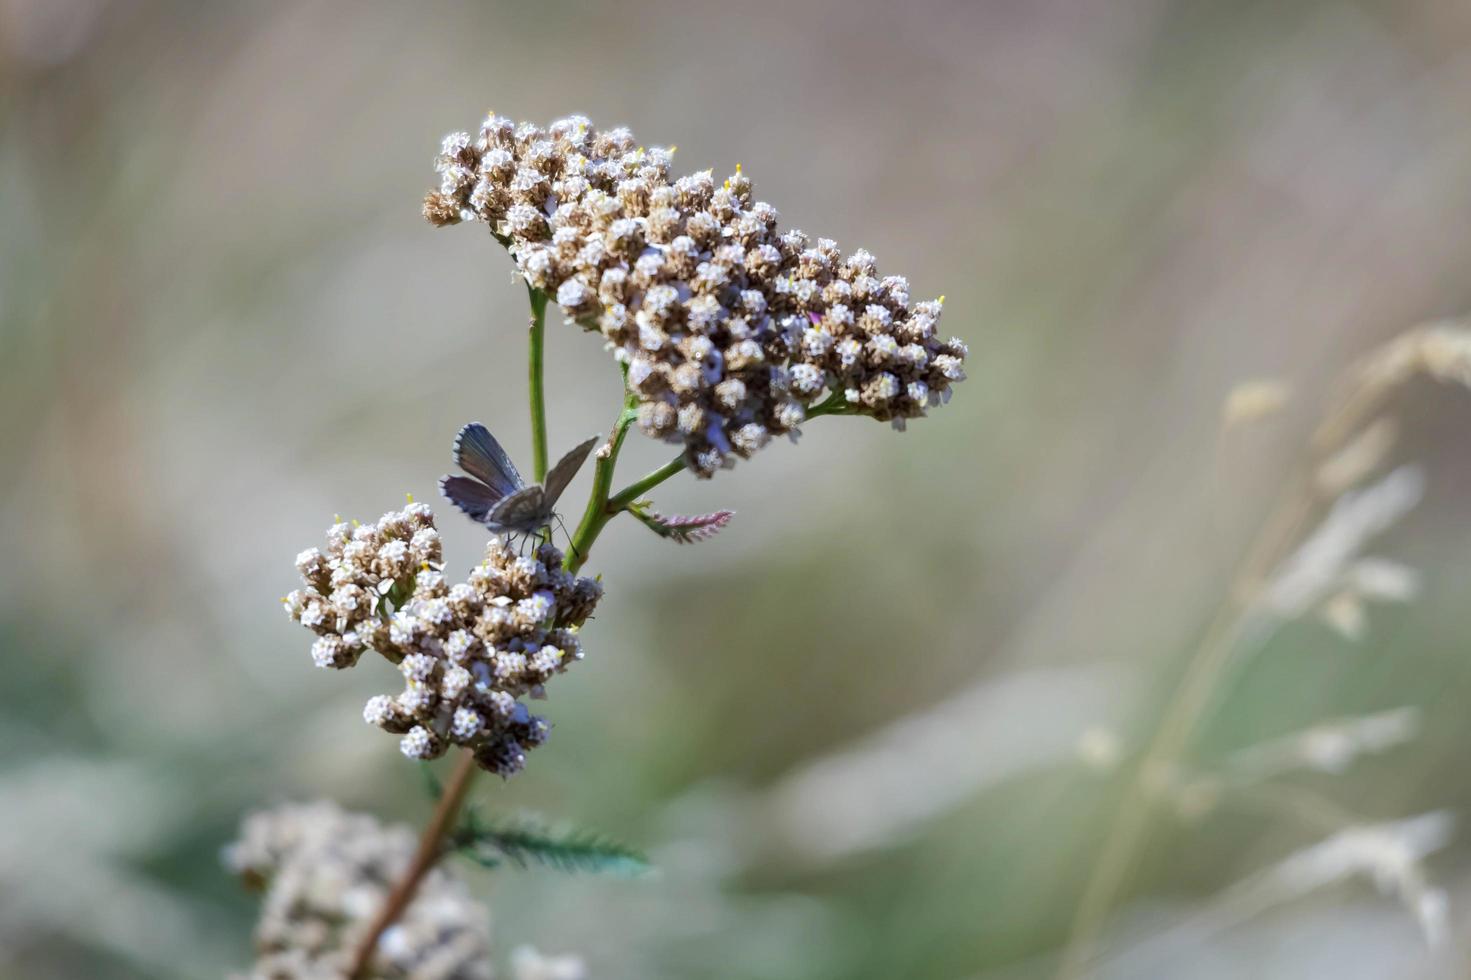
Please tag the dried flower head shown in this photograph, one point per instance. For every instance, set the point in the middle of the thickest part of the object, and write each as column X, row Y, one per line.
column 1328, row 572
column 468, row 652
column 1330, row 746
column 326, row 873
column 731, row 330
column 1392, row 855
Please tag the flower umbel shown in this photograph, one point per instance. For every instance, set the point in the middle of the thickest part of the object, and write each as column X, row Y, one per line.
column 727, row 332
column 731, row 330
column 468, row 652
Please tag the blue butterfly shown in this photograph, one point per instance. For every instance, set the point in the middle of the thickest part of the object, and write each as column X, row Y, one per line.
column 495, row 495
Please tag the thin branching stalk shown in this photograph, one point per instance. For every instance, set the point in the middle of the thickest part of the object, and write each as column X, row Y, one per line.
column 1301, row 804
column 1296, row 803
column 1222, row 644
column 432, row 845
column 1183, row 716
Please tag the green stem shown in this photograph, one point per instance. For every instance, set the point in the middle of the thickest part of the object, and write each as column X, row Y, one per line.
column 537, row 387
column 636, row 489
column 597, row 514
column 835, row 403
column 601, row 507
column 602, row 504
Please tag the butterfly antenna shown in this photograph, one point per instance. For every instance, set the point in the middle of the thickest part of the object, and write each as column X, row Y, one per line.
column 571, row 545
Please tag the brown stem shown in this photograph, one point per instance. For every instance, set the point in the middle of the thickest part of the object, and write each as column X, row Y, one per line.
column 431, row 849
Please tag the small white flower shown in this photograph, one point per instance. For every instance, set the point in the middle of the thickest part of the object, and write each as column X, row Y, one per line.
column 453, row 144
column 417, row 744
column 501, row 703
column 379, row 710
column 416, row 699
column 950, row 367
column 313, row 615
column 459, row 646
column 455, row 682
column 425, row 543
column 328, row 651
column 573, row 294
column 883, row 347
column 403, row 629
column 751, row 437
column 790, row 414
column 466, row 724
column 437, row 611
column 418, row 667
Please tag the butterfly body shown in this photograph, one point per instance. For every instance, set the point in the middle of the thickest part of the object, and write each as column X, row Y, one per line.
column 494, row 494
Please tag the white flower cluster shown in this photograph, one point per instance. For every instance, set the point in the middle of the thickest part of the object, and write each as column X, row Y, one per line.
column 730, row 330
column 467, row 652
column 325, row 874
column 365, row 567
column 1329, row 574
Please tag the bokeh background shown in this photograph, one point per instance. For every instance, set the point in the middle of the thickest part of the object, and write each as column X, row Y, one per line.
column 877, row 728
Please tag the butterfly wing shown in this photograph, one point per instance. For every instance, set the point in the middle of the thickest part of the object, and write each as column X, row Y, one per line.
column 478, row 453
column 560, row 475
column 524, row 511
column 471, row 496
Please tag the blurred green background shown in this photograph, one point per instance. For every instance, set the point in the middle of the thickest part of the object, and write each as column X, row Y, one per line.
column 848, row 729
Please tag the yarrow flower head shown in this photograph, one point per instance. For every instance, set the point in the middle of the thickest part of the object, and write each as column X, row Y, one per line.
column 325, row 873
column 731, row 330
column 468, row 653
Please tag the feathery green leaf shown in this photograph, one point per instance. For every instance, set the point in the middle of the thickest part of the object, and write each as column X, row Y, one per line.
column 525, row 841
